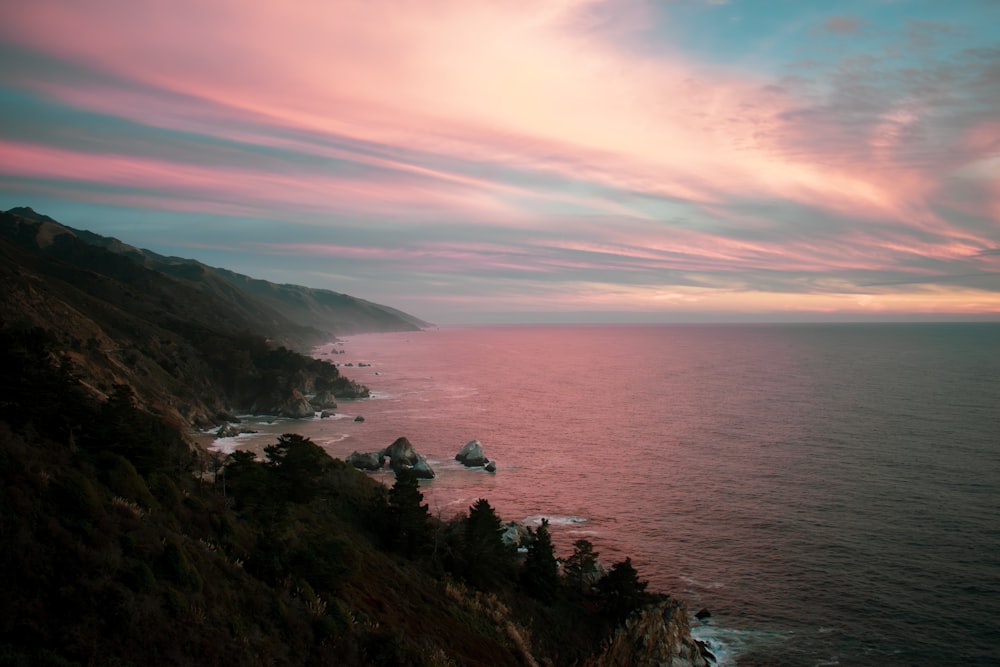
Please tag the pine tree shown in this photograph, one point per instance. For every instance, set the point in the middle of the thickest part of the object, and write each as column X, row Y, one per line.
column 408, row 519
column 622, row 591
column 486, row 560
column 540, row 576
column 581, row 566
column 297, row 465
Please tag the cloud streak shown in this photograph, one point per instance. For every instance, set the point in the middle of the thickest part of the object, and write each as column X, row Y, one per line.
column 577, row 146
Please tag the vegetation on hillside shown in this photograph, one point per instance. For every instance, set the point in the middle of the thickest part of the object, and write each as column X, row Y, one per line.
column 114, row 552
column 195, row 349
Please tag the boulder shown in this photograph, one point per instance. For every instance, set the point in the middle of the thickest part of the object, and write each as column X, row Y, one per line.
column 366, row 461
column 324, row 400
column 514, row 534
column 491, row 466
column 472, row 454
column 227, row 431
column 422, row 469
column 400, row 454
column 359, row 418
column 325, row 414
column 703, row 613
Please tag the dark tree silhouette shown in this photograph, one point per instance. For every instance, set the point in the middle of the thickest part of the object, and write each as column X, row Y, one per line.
column 297, row 464
column 621, row 591
column 540, row 576
column 486, row 560
column 408, row 528
column 581, row 567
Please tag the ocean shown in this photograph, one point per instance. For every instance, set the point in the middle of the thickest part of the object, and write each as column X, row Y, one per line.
column 831, row 493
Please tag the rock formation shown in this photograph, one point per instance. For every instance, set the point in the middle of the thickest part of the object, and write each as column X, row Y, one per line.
column 367, row 461
column 352, row 389
column 401, row 456
column 231, row 430
column 324, row 400
column 296, row 406
column 400, row 453
column 472, row 454
column 422, row 469
column 656, row 635
column 514, row 534
column 227, row 431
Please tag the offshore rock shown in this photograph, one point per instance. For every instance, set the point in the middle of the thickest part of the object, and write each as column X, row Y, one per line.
column 422, row 469
column 359, row 418
column 657, row 635
column 324, row 400
column 228, row 431
column 472, row 454
column 514, row 534
column 491, row 466
column 366, row 461
column 400, row 454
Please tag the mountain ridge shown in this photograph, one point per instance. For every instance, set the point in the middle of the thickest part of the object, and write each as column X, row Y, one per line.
column 329, row 312
column 190, row 342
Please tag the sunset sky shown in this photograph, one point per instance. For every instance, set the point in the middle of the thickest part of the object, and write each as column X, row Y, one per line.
column 529, row 160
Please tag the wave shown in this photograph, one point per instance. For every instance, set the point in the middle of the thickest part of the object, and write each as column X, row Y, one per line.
column 536, row 520
column 728, row 644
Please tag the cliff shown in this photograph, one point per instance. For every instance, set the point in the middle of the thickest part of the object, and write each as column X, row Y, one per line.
column 656, row 636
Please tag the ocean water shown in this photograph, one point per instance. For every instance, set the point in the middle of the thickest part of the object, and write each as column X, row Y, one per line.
column 831, row 493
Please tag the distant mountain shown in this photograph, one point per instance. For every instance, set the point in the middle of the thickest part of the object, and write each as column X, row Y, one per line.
column 190, row 340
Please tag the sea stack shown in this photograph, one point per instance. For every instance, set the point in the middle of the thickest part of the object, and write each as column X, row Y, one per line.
column 472, row 455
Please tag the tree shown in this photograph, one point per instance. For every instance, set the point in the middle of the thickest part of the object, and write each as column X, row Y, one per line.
column 540, row 575
column 486, row 560
column 621, row 591
column 581, row 567
column 408, row 520
column 298, row 465
column 246, row 479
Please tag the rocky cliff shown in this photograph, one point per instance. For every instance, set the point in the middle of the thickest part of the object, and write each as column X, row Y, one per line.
column 658, row 635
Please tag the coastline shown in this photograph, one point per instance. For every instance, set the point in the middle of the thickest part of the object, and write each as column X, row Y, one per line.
column 266, row 428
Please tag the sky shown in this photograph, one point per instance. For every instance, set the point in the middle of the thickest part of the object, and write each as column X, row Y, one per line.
column 473, row 161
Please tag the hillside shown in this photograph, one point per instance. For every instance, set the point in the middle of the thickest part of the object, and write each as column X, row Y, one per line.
column 294, row 314
column 194, row 343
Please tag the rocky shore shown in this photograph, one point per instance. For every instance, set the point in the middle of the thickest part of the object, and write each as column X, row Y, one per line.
column 401, row 456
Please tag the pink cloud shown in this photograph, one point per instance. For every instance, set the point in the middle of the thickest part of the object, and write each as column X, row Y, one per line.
column 245, row 186
column 504, row 82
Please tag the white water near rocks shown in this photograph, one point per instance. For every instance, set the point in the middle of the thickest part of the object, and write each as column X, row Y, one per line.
column 830, row 492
